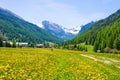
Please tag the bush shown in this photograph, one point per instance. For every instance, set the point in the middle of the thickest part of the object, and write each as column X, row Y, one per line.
column 113, row 51
column 107, row 50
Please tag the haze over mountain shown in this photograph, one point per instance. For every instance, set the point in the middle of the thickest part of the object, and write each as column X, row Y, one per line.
column 16, row 28
column 59, row 30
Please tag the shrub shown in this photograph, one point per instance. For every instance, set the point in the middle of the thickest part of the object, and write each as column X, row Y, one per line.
column 107, row 50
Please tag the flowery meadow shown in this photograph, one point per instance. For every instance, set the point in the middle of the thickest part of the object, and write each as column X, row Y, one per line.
column 44, row 64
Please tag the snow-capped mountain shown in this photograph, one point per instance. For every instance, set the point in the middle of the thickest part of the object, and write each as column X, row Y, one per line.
column 74, row 31
column 59, row 30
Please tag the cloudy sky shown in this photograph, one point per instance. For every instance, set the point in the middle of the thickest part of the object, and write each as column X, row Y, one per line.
column 68, row 13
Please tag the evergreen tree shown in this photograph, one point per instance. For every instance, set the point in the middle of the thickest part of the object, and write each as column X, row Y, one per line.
column 14, row 43
column 0, row 43
column 96, row 46
column 117, row 43
column 75, row 46
column 8, row 44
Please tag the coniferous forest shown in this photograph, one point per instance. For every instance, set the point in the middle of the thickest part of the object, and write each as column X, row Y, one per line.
column 16, row 28
column 104, row 35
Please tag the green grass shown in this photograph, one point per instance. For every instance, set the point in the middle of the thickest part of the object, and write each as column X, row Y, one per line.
column 89, row 47
column 44, row 64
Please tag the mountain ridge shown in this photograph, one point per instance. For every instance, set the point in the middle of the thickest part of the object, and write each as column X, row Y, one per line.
column 59, row 30
column 103, row 35
column 86, row 27
column 17, row 28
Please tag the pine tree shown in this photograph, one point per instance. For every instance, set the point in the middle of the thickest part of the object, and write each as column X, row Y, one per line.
column 75, row 46
column 0, row 43
column 14, row 43
column 96, row 46
column 117, row 43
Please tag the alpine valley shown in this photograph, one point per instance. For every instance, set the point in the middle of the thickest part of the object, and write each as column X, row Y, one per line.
column 45, row 50
column 13, row 27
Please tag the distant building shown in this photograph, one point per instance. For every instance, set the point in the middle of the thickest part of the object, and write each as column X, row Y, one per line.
column 11, row 43
column 22, row 44
column 4, row 43
column 40, row 46
column 18, row 44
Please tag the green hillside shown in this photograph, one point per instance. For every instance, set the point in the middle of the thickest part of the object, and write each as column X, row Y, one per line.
column 15, row 28
column 103, row 34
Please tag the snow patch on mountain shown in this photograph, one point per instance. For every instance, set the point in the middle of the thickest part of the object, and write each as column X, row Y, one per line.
column 74, row 31
column 59, row 31
column 40, row 25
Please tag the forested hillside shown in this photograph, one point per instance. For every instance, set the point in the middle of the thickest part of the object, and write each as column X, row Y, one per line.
column 15, row 28
column 2, row 38
column 86, row 27
column 108, row 37
column 103, row 34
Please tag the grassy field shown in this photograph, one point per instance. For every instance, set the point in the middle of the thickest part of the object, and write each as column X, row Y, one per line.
column 44, row 64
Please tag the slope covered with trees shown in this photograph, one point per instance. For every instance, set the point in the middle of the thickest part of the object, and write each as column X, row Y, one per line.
column 103, row 34
column 108, row 37
column 15, row 28
column 86, row 27
column 2, row 38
